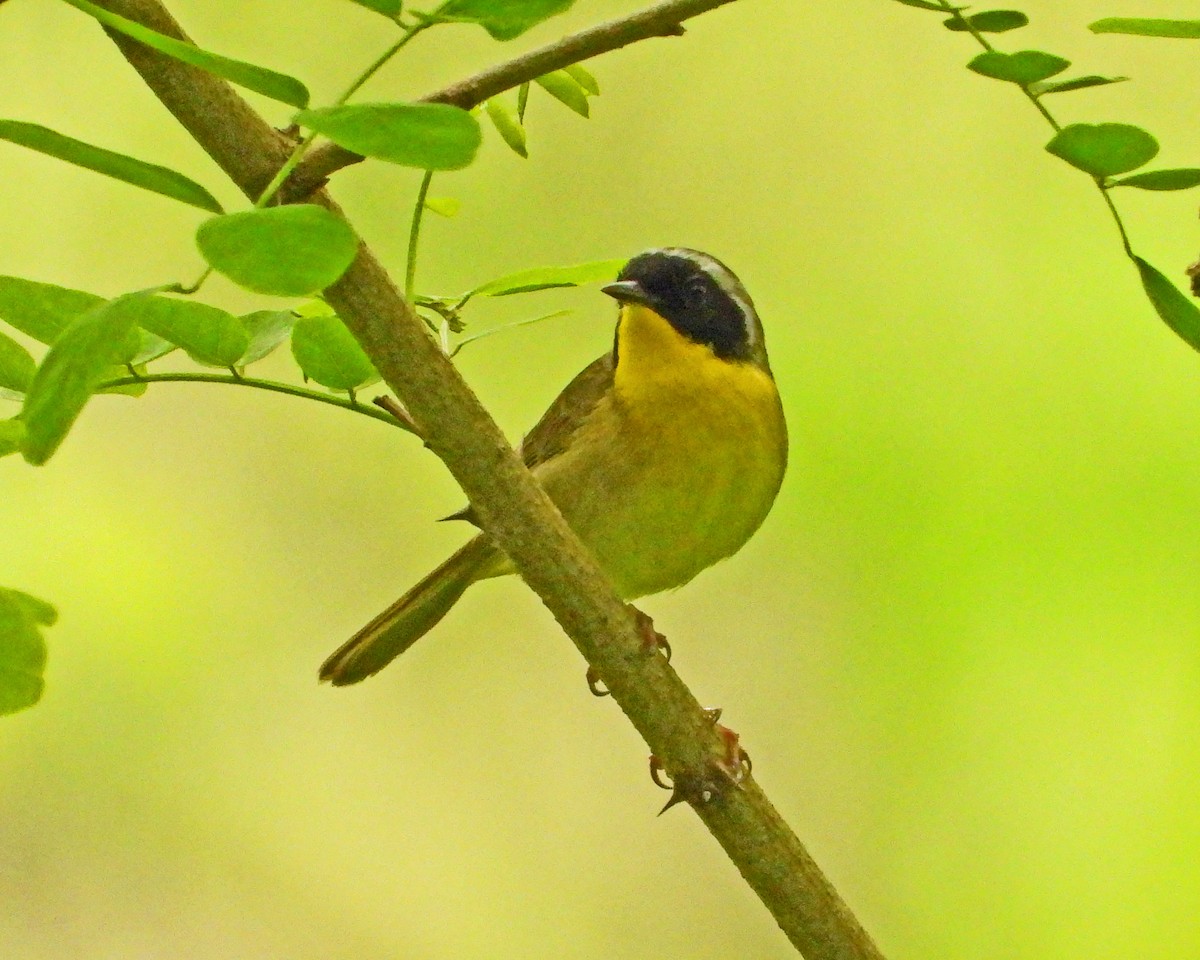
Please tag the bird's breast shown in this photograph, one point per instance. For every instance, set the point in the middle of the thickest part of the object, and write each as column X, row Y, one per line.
column 677, row 467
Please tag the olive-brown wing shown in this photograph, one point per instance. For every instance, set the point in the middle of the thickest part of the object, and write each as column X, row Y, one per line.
column 553, row 432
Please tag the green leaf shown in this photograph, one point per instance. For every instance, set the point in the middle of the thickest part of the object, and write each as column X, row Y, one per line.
column 565, row 89
column 36, row 610
column 389, row 8
column 267, row 329
column 125, row 389
column 1175, row 308
column 925, row 5
column 508, row 126
column 209, row 335
column 545, row 278
column 1042, row 87
column 328, row 353
column 505, row 328
column 148, row 176
column 990, row 21
column 16, row 365
column 12, row 433
column 428, row 136
column 1104, row 149
column 314, row 308
column 443, row 206
column 277, row 86
column 74, row 366
column 150, row 348
column 1178, row 29
column 289, row 251
column 503, row 19
column 42, row 310
column 582, row 76
column 1182, row 178
column 1024, row 66
column 22, row 649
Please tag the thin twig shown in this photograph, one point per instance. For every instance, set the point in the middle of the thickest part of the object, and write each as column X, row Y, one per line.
column 396, row 409
column 274, row 386
column 517, row 514
column 661, row 20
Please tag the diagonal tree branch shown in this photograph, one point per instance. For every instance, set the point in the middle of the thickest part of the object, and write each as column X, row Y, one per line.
column 661, row 20
column 516, row 512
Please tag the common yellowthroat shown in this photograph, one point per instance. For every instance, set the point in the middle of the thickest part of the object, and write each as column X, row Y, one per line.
column 664, row 455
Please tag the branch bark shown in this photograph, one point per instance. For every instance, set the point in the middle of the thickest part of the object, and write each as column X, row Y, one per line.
column 516, row 512
column 661, row 20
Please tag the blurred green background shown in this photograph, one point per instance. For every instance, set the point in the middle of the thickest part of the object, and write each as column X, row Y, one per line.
column 962, row 651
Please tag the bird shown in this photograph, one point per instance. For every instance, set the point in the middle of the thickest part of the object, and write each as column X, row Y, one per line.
column 664, row 455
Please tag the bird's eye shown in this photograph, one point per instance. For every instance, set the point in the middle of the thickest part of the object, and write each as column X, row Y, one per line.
column 696, row 292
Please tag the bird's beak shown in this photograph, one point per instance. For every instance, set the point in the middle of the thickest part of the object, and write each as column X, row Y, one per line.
column 627, row 291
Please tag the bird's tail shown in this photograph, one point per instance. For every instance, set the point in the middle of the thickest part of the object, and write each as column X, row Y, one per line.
column 412, row 616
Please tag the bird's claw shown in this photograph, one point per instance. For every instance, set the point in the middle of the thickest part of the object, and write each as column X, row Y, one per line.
column 652, row 640
column 730, row 769
column 594, row 684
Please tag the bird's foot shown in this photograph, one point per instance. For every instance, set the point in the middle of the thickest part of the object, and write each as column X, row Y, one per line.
column 652, row 640
column 727, row 770
column 595, row 686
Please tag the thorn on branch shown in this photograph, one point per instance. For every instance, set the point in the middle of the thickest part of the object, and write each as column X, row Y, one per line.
column 595, row 685
column 396, row 409
column 698, row 787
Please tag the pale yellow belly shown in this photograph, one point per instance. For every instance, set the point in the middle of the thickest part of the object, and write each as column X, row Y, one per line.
column 663, row 487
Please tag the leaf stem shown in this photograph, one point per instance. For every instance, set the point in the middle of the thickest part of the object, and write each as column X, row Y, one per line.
column 273, row 386
column 383, row 58
column 414, row 235
column 1112, row 208
column 301, row 148
column 663, row 19
column 1049, row 117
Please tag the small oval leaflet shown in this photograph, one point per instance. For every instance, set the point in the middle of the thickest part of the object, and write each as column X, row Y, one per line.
column 22, row 648
column 1175, row 309
column 267, row 329
column 1042, row 87
column 12, row 432
column 42, row 310
column 582, row 76
column 119, row 166
column 1145, row 27
column 328, row 353
column 989, row 21
column 389, row 8
column 277, row 86
column 428, row 136
column 443, row 206
column 566, row 90
column 1022, row 67
column 504, row 19
column 209, row 335
column 69, row 374
column 1183, row 178
column 546, row 278
column 1104, row 149
column 508, row 126
column 288, row 251
column 16, row 365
